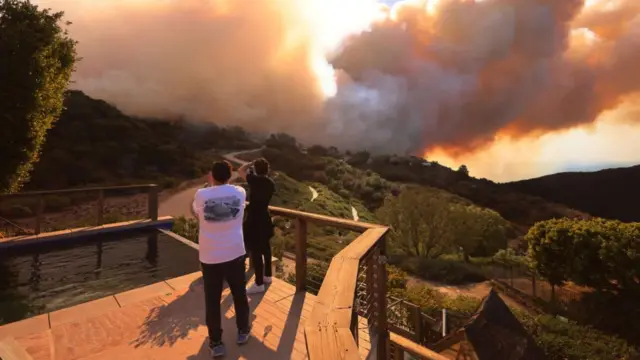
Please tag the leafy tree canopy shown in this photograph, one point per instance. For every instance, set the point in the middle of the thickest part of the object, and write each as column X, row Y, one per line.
column 37, row 58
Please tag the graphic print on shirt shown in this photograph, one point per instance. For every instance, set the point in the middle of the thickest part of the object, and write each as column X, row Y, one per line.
column 221, row 209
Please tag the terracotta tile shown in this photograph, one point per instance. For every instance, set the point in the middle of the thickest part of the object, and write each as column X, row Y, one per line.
column 38, row 345
column 24, row 327
column 184, row 282
column 171, row 326
column 143, row 293
column 81, row 311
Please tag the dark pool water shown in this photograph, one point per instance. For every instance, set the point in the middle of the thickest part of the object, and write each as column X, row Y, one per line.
column 37, row 279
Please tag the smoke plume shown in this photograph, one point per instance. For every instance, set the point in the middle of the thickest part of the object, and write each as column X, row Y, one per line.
column 456, row 79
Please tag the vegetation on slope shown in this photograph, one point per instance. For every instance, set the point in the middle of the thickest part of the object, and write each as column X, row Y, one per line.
column 36, row 61
column 602, row 255
column 95, row 143
column 521, row 209
column 560, row 340
column 610, row 193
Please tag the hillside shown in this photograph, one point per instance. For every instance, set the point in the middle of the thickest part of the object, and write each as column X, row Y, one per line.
column 94, row 143
column 521, row 209
column 369, row 178
column 609, row 193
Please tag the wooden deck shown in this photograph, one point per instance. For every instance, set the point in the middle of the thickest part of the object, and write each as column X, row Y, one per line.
column 166, row 321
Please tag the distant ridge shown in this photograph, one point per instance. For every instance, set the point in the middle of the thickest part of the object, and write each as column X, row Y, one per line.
column 609, row 193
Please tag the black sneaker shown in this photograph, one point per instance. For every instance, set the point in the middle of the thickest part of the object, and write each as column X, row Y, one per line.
column 216, row 349
column 243, row 337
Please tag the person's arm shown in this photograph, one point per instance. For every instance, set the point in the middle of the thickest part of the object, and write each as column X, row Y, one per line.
column 194, row 210
column 242, row 171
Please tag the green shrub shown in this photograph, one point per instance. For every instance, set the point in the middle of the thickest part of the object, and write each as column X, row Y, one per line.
column 186, row 227
column 560, row 340
column 509, row 256
column 16, row 211
column 57, row 202
column 441, row 270
column 396, row 278
column 566, row 340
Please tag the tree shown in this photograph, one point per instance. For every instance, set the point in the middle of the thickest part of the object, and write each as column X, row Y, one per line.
column 420, row 222
column 37, row 58
column 601, row 254
column 479, row 231
column 282, row 141
column 549, row 250
column 463, row 170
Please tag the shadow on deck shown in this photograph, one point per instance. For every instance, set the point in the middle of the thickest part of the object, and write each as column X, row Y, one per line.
column 151, row 323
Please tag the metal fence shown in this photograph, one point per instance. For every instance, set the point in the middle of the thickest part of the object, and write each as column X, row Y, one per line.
column 520, row 278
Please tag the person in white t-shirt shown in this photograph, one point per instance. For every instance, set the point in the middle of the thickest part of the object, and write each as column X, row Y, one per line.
column 220, row 211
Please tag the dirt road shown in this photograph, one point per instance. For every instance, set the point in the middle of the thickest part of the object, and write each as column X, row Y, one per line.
column 179, row 204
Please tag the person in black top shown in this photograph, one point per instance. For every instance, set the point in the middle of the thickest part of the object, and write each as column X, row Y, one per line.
column 258, row 227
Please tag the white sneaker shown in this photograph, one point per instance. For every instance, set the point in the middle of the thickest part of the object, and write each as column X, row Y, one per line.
column 267, row 279
column 255, row 289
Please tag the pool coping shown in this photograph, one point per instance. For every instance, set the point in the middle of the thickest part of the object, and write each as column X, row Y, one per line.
column 164, row 289
column 48, row 320
column 196, row 246
column 162, row 221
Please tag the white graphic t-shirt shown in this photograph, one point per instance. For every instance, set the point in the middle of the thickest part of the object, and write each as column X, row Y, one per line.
column 220, row 211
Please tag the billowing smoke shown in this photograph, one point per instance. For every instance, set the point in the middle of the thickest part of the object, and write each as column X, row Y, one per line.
column 457, row 78
column 464, row 71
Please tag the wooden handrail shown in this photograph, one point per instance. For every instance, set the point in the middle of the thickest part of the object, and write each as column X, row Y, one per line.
column 74, row 190
column 152, row 200
column 318, row 219
column 327, row 332
column 402, row 345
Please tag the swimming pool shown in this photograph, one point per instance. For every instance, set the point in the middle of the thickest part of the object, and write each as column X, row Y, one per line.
column 38, row 278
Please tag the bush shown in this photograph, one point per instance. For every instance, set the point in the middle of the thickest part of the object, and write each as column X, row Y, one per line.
column 509, row 256
column 446, row 271
column 16, row 211
column 186, row 227
column 601, row 254
column 566, row 340
column 56, row 202
column 396, row 278
column 560, row 340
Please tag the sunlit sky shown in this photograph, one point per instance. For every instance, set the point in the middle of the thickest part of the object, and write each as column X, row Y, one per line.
column 610, row 141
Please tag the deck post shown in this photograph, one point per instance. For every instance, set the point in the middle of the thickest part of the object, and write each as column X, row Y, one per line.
column 152, row 204
column 417, row 323
column 301, row 254
column 39, row 213
column 533, row 285
column 399, row 353
column 100, row 215
column 383, row 330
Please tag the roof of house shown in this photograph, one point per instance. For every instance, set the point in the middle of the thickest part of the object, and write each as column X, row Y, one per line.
column 495, row 333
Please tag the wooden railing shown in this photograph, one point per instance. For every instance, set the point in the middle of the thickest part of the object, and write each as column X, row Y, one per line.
column 333, row 330
column 401, row 345
column 40, row 196
column 353, row 292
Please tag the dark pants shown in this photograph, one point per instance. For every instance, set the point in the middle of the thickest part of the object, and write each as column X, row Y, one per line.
column 213, row 276
column 262, row 267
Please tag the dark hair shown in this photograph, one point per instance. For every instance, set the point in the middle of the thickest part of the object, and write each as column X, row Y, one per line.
column 262, row 166
column 221, row 171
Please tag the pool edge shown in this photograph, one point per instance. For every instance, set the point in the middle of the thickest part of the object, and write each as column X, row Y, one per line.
column 163, row 221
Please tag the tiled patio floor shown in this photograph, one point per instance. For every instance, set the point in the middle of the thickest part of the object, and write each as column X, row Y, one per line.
column 165, row 321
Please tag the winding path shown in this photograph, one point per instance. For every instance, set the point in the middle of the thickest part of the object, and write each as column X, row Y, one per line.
column 179, row 204
column 354, row 213
column 314, row 193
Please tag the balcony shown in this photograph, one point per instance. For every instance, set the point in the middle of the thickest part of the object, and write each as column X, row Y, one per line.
column 347, row 319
